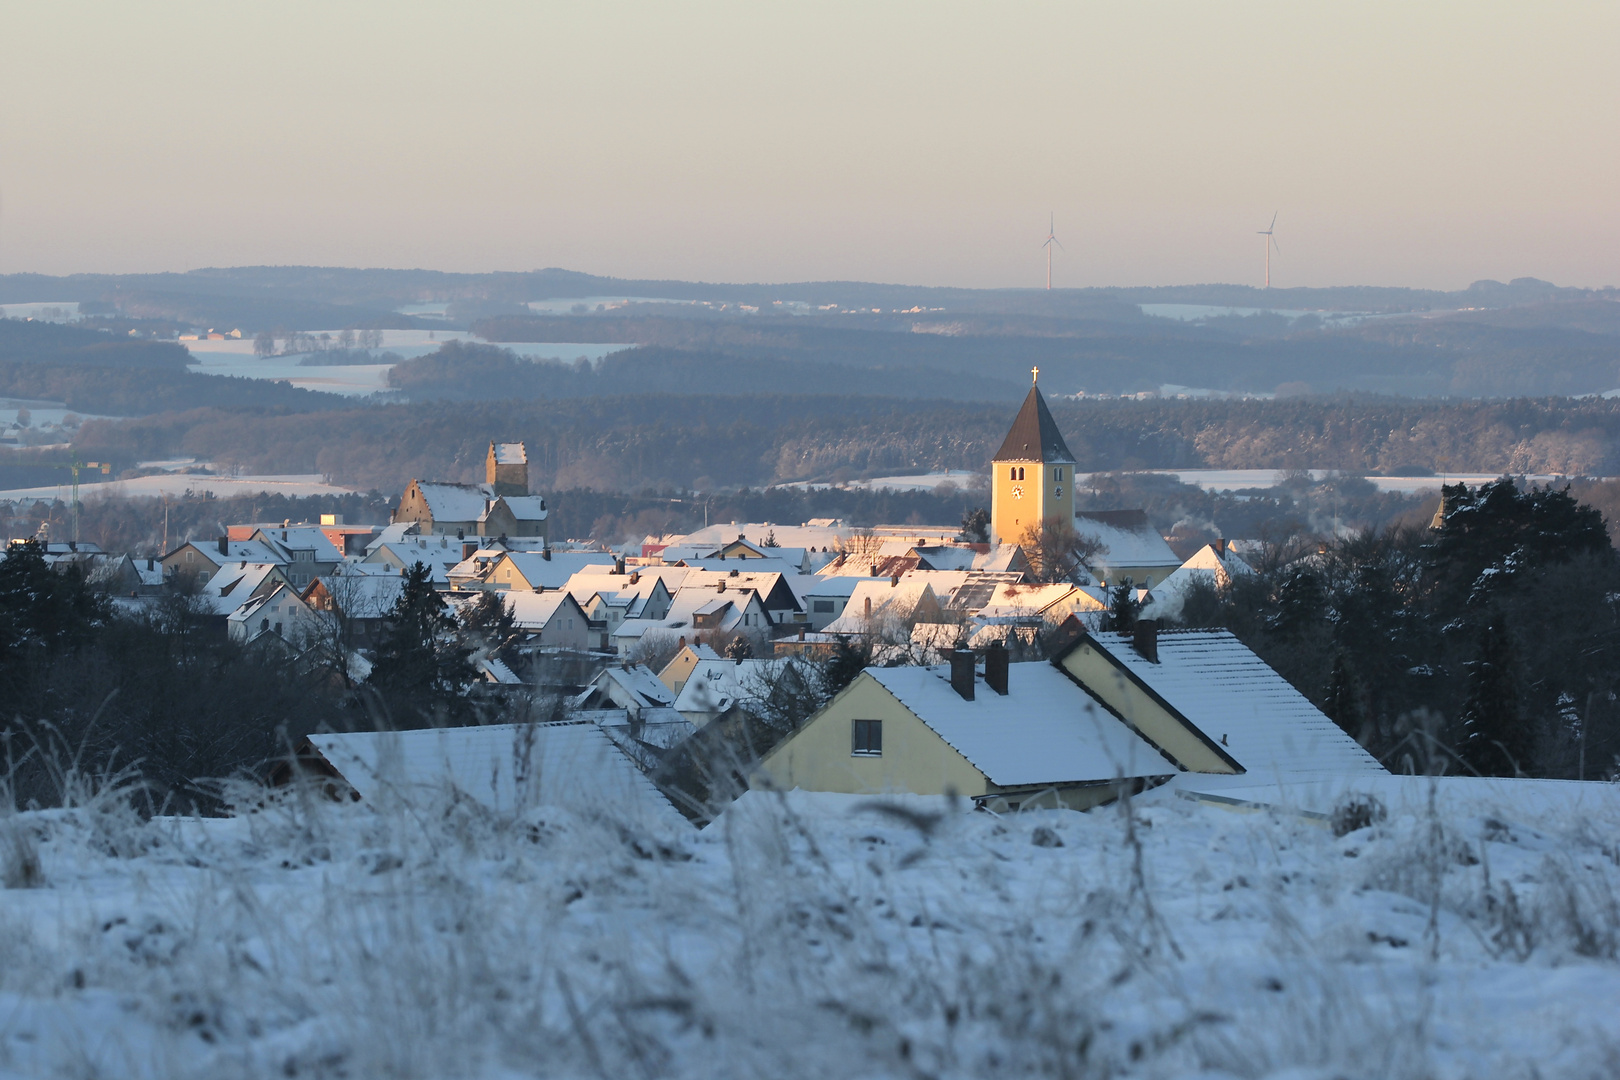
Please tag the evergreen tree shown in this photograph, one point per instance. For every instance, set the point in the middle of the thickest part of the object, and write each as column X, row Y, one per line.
column 41, row 609
column 1342, row 702
column 1123, row 607
column 1496, row 740
column 976, row 525
column 421, row 667
column 491, row 614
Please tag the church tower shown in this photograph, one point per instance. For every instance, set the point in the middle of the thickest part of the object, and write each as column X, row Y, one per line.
column 506, row 469
column 1032, row 475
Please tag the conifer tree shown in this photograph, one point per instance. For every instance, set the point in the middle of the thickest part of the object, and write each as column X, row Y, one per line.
column 1496, row 739
column 421, row 667
column 1123, row 607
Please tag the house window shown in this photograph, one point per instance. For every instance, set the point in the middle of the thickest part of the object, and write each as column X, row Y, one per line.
column 866, row 738
column 822, row 607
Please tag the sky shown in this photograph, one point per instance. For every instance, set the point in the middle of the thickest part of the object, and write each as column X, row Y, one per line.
column 1418, row 143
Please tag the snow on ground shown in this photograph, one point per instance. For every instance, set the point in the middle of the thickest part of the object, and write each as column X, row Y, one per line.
column 293, row 484
column 234, row 357
column 1237, row 479
column 814, row 936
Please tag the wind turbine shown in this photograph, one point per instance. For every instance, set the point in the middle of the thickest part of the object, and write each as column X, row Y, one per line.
column 1051, row 238
column 1271, row 242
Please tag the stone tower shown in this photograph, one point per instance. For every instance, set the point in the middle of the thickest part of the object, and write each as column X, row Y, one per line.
column 1032, row 475
column 506, row 470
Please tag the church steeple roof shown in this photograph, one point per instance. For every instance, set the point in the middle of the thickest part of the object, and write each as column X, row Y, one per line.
column 1034, row 435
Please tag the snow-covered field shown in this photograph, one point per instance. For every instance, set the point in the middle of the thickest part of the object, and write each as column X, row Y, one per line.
column 293, row 484
column 1236, row 479
column 817, row 936
column 235, row 358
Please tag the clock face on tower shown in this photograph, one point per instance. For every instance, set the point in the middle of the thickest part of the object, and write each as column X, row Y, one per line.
column 1018, row 491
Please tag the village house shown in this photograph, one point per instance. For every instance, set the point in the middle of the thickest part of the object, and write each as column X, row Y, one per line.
column 282, row 612
column 359, row 602
column 1108, row 708
column 203, row 560
column 1214, row 567
column 551, row 620
column 1016, row 736
column 305, row 551
column 1211, row 704
column 532, row 571
column 1129, row 547
column 887, row 608
column 715, row 610
column 675, row 673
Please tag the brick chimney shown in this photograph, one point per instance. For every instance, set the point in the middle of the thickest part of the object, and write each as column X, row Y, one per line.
column 962, row 673
column 1220, row 547
column 224, row 545
column 1146, row 641
column 996, row 661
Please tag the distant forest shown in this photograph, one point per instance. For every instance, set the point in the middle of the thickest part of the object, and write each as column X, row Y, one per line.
column 726, row 391
column 708, row 442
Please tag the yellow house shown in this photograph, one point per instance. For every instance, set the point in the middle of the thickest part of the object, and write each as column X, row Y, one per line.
column 1032, row 475
column 680, row 667
column 1020, row 735
column 1209, row 703
column 1109, row 711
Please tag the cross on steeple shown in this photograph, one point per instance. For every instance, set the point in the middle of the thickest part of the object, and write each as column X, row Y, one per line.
column 1035, row 374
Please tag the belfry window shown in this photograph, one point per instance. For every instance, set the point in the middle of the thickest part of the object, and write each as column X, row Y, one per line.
column 1015, row 473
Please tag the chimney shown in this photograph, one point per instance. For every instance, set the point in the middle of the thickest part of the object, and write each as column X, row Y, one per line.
column 734, row 573
column 868, row 607
column 1146, row 642
column 801, row 633
column 545, row 553
column 894, row 581
column 635, row 577
column 224, row 545
column 618, row 566
column 721, row 587
column 995, row 668
column 874, row 570
column 962, row 673
column 149, row 566
column 1220, row 547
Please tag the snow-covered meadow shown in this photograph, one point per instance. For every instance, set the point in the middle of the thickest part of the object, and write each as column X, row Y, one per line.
column 1477, row 935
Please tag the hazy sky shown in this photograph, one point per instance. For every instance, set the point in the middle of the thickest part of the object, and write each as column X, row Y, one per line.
column 1403, row 143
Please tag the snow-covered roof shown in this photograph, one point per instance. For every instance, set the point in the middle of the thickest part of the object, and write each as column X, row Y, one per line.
column 532, row 611
column 890, row 602
column 808, row 585
column 526, row 507
column 393, row 534
column 808, row 535
column 768, row 565
column 249, row 551
column 507, row 767
column 554, row 572
column 303, row 538
column 454, row 502
column 1002, row 557
column 509, row 453
column 1127, row 537
column 639, row 682
column 1207, row 567
column 1235, row 699
column 495, row 670
column 235, row 585
column 1044, row 730
column 716, row 685
column 1022, row 600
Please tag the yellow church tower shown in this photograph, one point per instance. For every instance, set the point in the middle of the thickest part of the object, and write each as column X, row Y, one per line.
column 1032, row 475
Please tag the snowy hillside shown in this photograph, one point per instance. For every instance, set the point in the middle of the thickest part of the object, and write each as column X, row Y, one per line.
column 819, row 936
